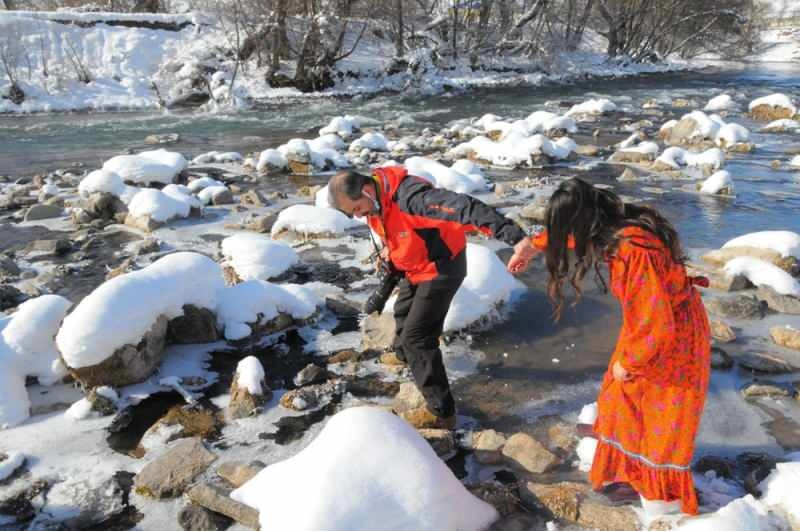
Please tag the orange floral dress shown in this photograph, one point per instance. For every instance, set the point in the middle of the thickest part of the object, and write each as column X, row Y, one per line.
column 647, row 425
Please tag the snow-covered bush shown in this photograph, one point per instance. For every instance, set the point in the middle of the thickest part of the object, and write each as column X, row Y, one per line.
column 254, row 256
column 344, row 480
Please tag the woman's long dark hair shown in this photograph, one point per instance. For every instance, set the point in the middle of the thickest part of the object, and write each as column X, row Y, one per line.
column 594, row 218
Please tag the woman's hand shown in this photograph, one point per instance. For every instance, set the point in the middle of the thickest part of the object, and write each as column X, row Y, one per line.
column 524, row 252
column 620, row 373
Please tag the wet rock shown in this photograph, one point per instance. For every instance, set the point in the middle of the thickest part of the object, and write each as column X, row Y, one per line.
column 737, row 307
column 311, row 396
column 722, row 256
column 487, row 445
column 722, row 332
column 723, row 467
column 218, row 500
column 572, row 502
column 39, row 212
column 766, row 389
column 223, row 197
column 341, row 308
column 632, row 157
column 102, row 205
column 196, row 518
column 194, row 420
column 91, row 502
column 720, row 360
column 344, row 356
column 196, row 325
column 168, row 475
column 143, row 223
column 129, row 364
column 442, row 441
column 254, row 198
column 311, row 374
column 244, row 403
column 764, row 362
column 753, row 468
column 770, row 113
column 378, row 332
column 165, row 138
column 408, row 398
column 237, row 473
column 524, row 451
column 778, row 302
column 501, row 497
column 59, row 247
column 80, row 216
column 8, row 268
column 786, row 336
column 10, row 297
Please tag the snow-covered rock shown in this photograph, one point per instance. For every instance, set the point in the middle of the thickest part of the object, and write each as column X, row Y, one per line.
column 254, row 256
column 196, row 185
column 763, row 273
column 773, row 107
column 310, row 220
column 344, row 126
column 592, row 107
column 675, row 158
column 730, row 134
column 742, row 514
column 644, row 151
column 157, row 166
column 11, row 464
column 515, row 149
column 463, row 177
column 370, row 141
column 105, row 181
column 366, row 470
column 723, row 102
column 719, row 183
column 271, row 160
column 795, row 162
column 781, row 126
column 173, row 201
column 547, row 122
column 218, row 157
column 122, row 310
column 588, row 414
column 780, row 490
column 215, row 194
column 783, row 242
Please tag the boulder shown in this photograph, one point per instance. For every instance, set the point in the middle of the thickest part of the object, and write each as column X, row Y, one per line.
column 39, row 212
column 534, row 212
column 237, row 473
column 218, row 500
column 378, row 332
column 196, row 325
column 244, row 403
column 129, row 364
column 143, row 223
column 196, row 518
column 717, row 278
column 770, row 113
column 254, row 198
column 681, row 133
column 524, row 451
column 778, row 302
column 589, row 150
column 722, row 332
column 311, row 374
column 8, row 268
column 722, row 256
column 487, row 445
column 632, row 157
column 720, row 360
column 102, row 205
column 408, row 398
column 10, row 297
column 58, row 247
column 442, row 441
column 101, row 403
column 501, row 497
column 786, row 336
column 737, row 307
column 91, row 502
column 341, row 308
column 223, row 197
column 168, row 475
column 763, row 362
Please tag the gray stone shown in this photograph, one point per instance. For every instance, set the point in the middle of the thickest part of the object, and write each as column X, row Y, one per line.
column 218, row 500
column 101, row 404
column 38, row 212
column 737, row 307
column 720, row 360
column 766, row 389
column 311, row 396
column 168, row 475
column 524, row 451
column 196, row 325
column 143, row 223
column 8, row 268
column 129, row 364
column 341, row 308
column 254, row 198
column 311, row 374
column 722, row 332
column 58, row 247
column 378, row 332
column 147, row 246
column 763, row 362
column 237, row 473
column 10, row 297
column 487, row 445
column 408, row 398
column 499, row 496
column 223, row 197
column 778, row 302
column 196, row 518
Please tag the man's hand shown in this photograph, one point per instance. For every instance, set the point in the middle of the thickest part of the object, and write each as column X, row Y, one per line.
column 619, row 372
column 524, row 252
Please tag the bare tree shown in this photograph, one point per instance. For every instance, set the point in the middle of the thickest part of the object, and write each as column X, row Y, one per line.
column 11, row 48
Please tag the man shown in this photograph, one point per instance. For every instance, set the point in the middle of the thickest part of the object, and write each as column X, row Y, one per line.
column 423, row 230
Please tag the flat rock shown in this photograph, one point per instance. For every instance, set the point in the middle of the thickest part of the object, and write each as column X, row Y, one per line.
column 341, row 308
column 524, row 451
column 442, row 441
column 786, row 336
column 237, row 473
column 219, row 501
column 766, row 389
column 38, row 212
column 764, row 362
column 168, row 475
column 196, row 518
column 720, row 360
column 408, row 398
column 722, row 332
column 487, row 445
column 736, row 307
column 778, row 302
column 378, row 332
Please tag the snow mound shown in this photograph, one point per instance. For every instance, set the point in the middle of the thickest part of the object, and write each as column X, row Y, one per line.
column 321, row 152
column 676, row 157
column 783, row 242
column 14, row 402
column 123, row 309
column 366, row 470
column 257, row 301
column 218, row 157
column 158, row 166
column 173, row 201
column 106, row 181
column 592, row 107
column 250, row 374
column 487, row 285
column 774, row 100
column 647, row 148
column 723, row 102
column 730, row 134
column 312, row 220
column 344, row 126
column 371, row 141
column 780, row 490
column 795, row 162
column 271, row 158
column 742, row 514
column 547, row 122
column 515, row 149
column 11, row 464
column 254, row 256
column 588, row 414
column 463, row 177
column 779, row 126
column 763, row 273
column 718, row 182
column 196, row 185
column 207, row 194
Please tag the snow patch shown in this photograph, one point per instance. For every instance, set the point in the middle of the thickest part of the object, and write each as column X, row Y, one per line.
column 312, row 220
column 254, row 256
column 784, row 242
column 763, row 273
column 250, row 374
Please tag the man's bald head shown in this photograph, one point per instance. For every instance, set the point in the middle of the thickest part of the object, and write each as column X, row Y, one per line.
column 352, row 193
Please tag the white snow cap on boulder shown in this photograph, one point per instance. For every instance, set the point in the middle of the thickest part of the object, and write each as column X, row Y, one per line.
column 106, row 181
column 463, row 177
column 344, row 126
column 774, row 100
column 122, row 310
column 159, row 166
column 780, row 490
column 312, row 220
column 254, row 256
column 677, row 157
column 763, row 273
column 723, row 102
column 371, row 141
column 250, row 374
column 592, row 107
column 366, row 470
column 173, row 201
column 783, row 242
column 717, row 182
column 218, row 157
column 271, row 158
column 515, row 149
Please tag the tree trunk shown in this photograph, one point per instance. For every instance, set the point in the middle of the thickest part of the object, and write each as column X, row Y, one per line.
column 9, row 5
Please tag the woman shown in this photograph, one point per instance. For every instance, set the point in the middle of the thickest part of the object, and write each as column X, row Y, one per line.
column 652, row 395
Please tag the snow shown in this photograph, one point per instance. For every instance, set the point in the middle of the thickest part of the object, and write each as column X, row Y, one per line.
column 273, row 158
column 159, row 166
column 780, row 490
column 250, row 374
column 216, row 156
column 487, row 285
column 644, row 147
column 196, row 185
column 586, row 449
column 723, row 102
column 742, row 514
column 121, row 310
column 80, row 410
column 795, row 162
column 707, row 127
column 592, row 107
column 588, row 414
column 14, row 401
column 319, row 152
column 11, row 464
column 515, row 149
column 312, row 220
column 172, row 201
column 486, row 120
column 371, row 141
column 763, row 273
column 254, row 256
column 242, row 304
column 783, row 242
column 781, row 125
column 677, row 157
column 774, row 100
column 463, row 177
column 344, row 126
column 545, row 122
column 366, row 470
column 732, row 134
column 717, row 182
column 105, row 181
column 207, row 194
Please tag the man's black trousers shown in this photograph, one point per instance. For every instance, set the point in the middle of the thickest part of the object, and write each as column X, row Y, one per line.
column 419, row 313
